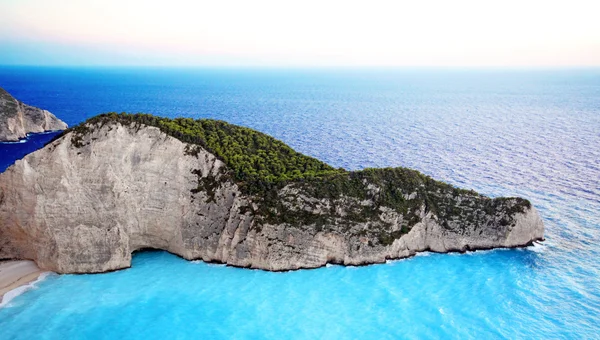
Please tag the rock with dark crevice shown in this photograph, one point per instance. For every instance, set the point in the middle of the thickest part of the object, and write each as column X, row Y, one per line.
column 87, row 200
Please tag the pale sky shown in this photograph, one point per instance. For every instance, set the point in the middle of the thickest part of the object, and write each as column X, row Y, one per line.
column 455, row 33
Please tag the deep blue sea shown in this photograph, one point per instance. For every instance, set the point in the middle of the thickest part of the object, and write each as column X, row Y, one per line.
column 534, row 134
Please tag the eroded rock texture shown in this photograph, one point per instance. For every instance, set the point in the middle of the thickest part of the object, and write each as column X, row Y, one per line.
column 85, row 208
column 18, row 119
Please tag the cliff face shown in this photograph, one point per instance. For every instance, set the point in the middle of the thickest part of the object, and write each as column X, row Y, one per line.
column 85, row 202
column 18, row 119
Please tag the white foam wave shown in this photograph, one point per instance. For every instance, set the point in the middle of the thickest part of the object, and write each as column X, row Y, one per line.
column 424, row 253
column 216, row 264
column 10, row 295
column 538, row 247
column 20, row 141
column 26, row 138
column 209, row 264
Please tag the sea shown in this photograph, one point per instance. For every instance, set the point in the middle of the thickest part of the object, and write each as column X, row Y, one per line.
column 533, row 133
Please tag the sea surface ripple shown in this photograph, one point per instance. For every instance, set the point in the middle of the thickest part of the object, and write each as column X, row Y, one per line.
column 534, row 134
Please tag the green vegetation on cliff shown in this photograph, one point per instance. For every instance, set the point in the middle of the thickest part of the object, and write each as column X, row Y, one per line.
column 256, row 159
column 262, row 166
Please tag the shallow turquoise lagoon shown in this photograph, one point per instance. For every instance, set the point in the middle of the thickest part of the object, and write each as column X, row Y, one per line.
column 492, row 294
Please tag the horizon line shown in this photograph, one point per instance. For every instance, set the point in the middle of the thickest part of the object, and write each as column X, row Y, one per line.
column 301, row 67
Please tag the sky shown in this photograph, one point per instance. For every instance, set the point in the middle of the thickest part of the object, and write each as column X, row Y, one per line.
column 423, row 33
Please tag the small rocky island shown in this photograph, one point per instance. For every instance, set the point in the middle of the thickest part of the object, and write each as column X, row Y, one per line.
column 18, row 119
column 209, row 190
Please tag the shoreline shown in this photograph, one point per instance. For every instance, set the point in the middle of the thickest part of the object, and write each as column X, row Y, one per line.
column 468, row 250
column 15, row 274
column 26, row 138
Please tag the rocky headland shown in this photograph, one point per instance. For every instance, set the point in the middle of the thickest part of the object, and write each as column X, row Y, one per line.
column 18, row 119
column 208, row 190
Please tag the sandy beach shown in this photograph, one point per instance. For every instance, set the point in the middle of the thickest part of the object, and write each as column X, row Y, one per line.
column 14, row 274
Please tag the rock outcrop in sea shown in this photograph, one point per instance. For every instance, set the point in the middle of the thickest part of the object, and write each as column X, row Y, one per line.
column 18, row 119
column 221, row 193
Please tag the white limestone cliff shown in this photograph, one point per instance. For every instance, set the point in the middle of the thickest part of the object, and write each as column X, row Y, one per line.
column 86, row 208
column 18, row 119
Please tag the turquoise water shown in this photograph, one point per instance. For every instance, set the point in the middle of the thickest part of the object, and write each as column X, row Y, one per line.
column 163, row 296
column 534, row 134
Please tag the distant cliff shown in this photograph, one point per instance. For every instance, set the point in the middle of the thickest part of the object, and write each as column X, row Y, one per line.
column 209, row 190
column 18, row 119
